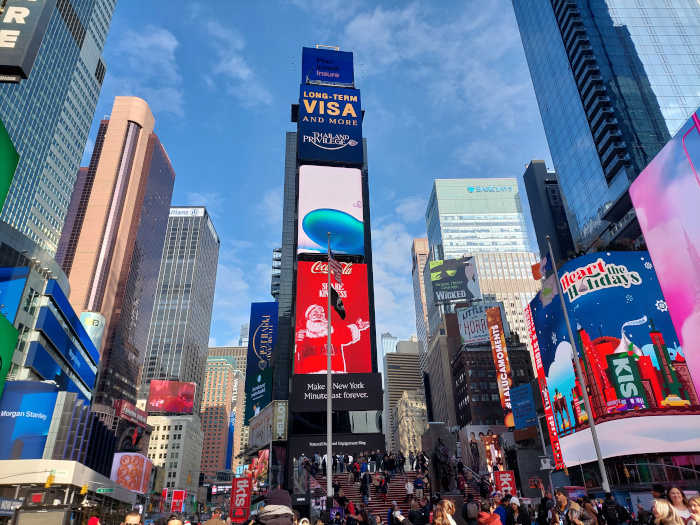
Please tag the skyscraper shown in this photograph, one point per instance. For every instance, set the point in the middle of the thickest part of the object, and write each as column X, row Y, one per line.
column 179, row 334
column 402, row 373
column 48, row 117
column 112, row 245
column 548, row 211
column 419, row 256
column 614, row 81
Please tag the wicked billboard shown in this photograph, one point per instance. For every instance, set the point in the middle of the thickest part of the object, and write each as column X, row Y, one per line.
column 632, row 362
column 351, row 350
column 454, row 280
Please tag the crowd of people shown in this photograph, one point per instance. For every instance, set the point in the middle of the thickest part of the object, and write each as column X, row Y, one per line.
column 361, row 462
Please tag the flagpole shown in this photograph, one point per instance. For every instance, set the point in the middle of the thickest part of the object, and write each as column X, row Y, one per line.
column 579, row 375
column 329, row 396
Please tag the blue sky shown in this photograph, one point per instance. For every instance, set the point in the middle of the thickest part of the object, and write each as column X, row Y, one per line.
column 445, row 87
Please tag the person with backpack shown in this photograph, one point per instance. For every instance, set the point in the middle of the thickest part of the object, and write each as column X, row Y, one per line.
column 470, row 511
column 613, row 512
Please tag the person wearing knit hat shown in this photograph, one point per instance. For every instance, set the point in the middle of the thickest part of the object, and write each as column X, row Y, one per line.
column 277, row 509
column 570, row 512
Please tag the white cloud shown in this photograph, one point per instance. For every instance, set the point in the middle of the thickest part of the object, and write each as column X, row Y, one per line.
column 240, row 77
column 145, row 66
column 411, row 209
column 211, row 199
column 270, row 206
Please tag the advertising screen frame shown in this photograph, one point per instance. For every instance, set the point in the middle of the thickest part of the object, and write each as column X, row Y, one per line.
column 140, row 475
column 632, row 364
column 350, row 392
column 261, row 344
column 188, row 407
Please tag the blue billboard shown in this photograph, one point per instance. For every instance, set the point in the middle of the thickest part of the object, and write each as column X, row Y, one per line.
column 523, row 404
column 635, row 372
column 26, row 410
column 261, row 342
column 326, row 65
column 12, row 283
column 330, row 125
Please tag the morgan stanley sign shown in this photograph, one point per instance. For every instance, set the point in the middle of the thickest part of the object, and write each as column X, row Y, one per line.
column 23, row 24
column 330, row 125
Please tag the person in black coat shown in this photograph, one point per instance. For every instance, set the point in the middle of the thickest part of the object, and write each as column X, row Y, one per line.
column 415, row 516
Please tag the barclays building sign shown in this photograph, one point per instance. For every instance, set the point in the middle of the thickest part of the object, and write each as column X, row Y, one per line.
column 490, row 189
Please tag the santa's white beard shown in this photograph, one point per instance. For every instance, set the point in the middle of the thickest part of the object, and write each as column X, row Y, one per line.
column 317, row 329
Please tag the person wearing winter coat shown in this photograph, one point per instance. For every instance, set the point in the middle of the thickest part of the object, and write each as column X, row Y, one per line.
column 277, row 509
column 572, row 512
column 486, row 517
column 415, row 515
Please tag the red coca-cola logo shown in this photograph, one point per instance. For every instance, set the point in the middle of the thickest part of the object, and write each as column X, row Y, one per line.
column 322, row 267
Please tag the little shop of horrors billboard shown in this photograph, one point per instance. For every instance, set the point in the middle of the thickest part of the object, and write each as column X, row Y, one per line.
column 641, row 393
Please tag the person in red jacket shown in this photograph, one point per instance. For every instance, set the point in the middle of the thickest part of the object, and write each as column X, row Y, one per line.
column 486, row 517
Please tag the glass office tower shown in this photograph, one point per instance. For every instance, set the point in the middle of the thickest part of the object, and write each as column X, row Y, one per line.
column 48, row 118
column 475, row 215
column 614, row 80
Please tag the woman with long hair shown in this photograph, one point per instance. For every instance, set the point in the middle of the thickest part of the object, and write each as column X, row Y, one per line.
column 680, row 503
column 694, row 508
column 440, row 516
column 449, row 508
column 665, row 514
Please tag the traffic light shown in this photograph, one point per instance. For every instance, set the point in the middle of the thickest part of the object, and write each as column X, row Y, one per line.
column 49, row 481
column 83, row 490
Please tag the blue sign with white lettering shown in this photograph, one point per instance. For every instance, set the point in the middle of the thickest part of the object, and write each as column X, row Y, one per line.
column 330, row 125
column 523, row 406
column 326, row 66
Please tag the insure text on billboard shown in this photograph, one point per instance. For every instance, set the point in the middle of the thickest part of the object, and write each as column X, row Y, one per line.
column 261, row 343
column 326, row 66
column 350, row 338
column 330, row 125
column 632, row 363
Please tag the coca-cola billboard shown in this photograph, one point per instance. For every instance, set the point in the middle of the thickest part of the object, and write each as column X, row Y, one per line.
column 351, row 350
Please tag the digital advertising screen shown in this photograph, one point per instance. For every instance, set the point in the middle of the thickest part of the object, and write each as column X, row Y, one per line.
column 131, row 471
column 330, row 200
column 473, row 328
column 261, row 343
column 641, row 392
column 173, row 397
column 12, row 283
column 351, row 350
column 330, row 125
column 9, row 336
column 326, row 65
column 26, row 410
column 454, row 280
column 481, row 447
column 666, row 198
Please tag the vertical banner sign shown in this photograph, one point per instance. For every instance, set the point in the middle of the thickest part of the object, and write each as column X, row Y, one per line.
column 178, row 503
column 240, row 499
column 163, row 499
column 261, row 343
column 22, row 28
column 524, row 413
column 330, row 125
column 542, row 380
column 500, row 359
column 505, row 481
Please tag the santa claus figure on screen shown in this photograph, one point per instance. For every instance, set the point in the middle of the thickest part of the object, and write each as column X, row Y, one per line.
column 312, row 342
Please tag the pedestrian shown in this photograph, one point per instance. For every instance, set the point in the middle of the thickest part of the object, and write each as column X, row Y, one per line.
column 94, row 521
column 680, row 503
column 520, row 515
column 461, row 484
column 658, row 491
column 418, row 485
column 642, row 515
column 364, row 492
column 323, row 466
column 376, row 482
column 415, row 516
column 694, row 508
column 341, row 498
column 470, row 510
column 665, row 514
column 215, row 518
column 409, row 491
column 277, row 509
column 571, row 512
column 383, row 489
column 592, row 510
column 132, row 518
column 486, row 516
column 542, row 511
column 501, row 509
column 449, row 509
column 174, row 519
column 440, row 517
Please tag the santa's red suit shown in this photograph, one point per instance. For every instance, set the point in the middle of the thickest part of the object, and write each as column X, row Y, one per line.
column 312, row 345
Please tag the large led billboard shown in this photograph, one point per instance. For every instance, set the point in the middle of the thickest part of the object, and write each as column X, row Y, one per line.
column 131, row 471
column 326, row 65
column 330, row 125
column 330, row 200
column 666, row 198
column 351, row 351
column 261, row 342
column 632, row 361
column 454, row 280
column 26, row 410
column 12, row 283
column 22, row 29
column 173, row 397
column 473, row 328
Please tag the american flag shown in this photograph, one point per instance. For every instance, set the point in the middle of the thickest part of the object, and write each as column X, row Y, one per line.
column 336, row 268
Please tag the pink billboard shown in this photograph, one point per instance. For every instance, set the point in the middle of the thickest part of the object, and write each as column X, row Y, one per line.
column 666, row 197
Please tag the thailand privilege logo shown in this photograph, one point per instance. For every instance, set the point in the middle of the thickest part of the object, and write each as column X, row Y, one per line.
column 329, row 141
column 597, row 276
